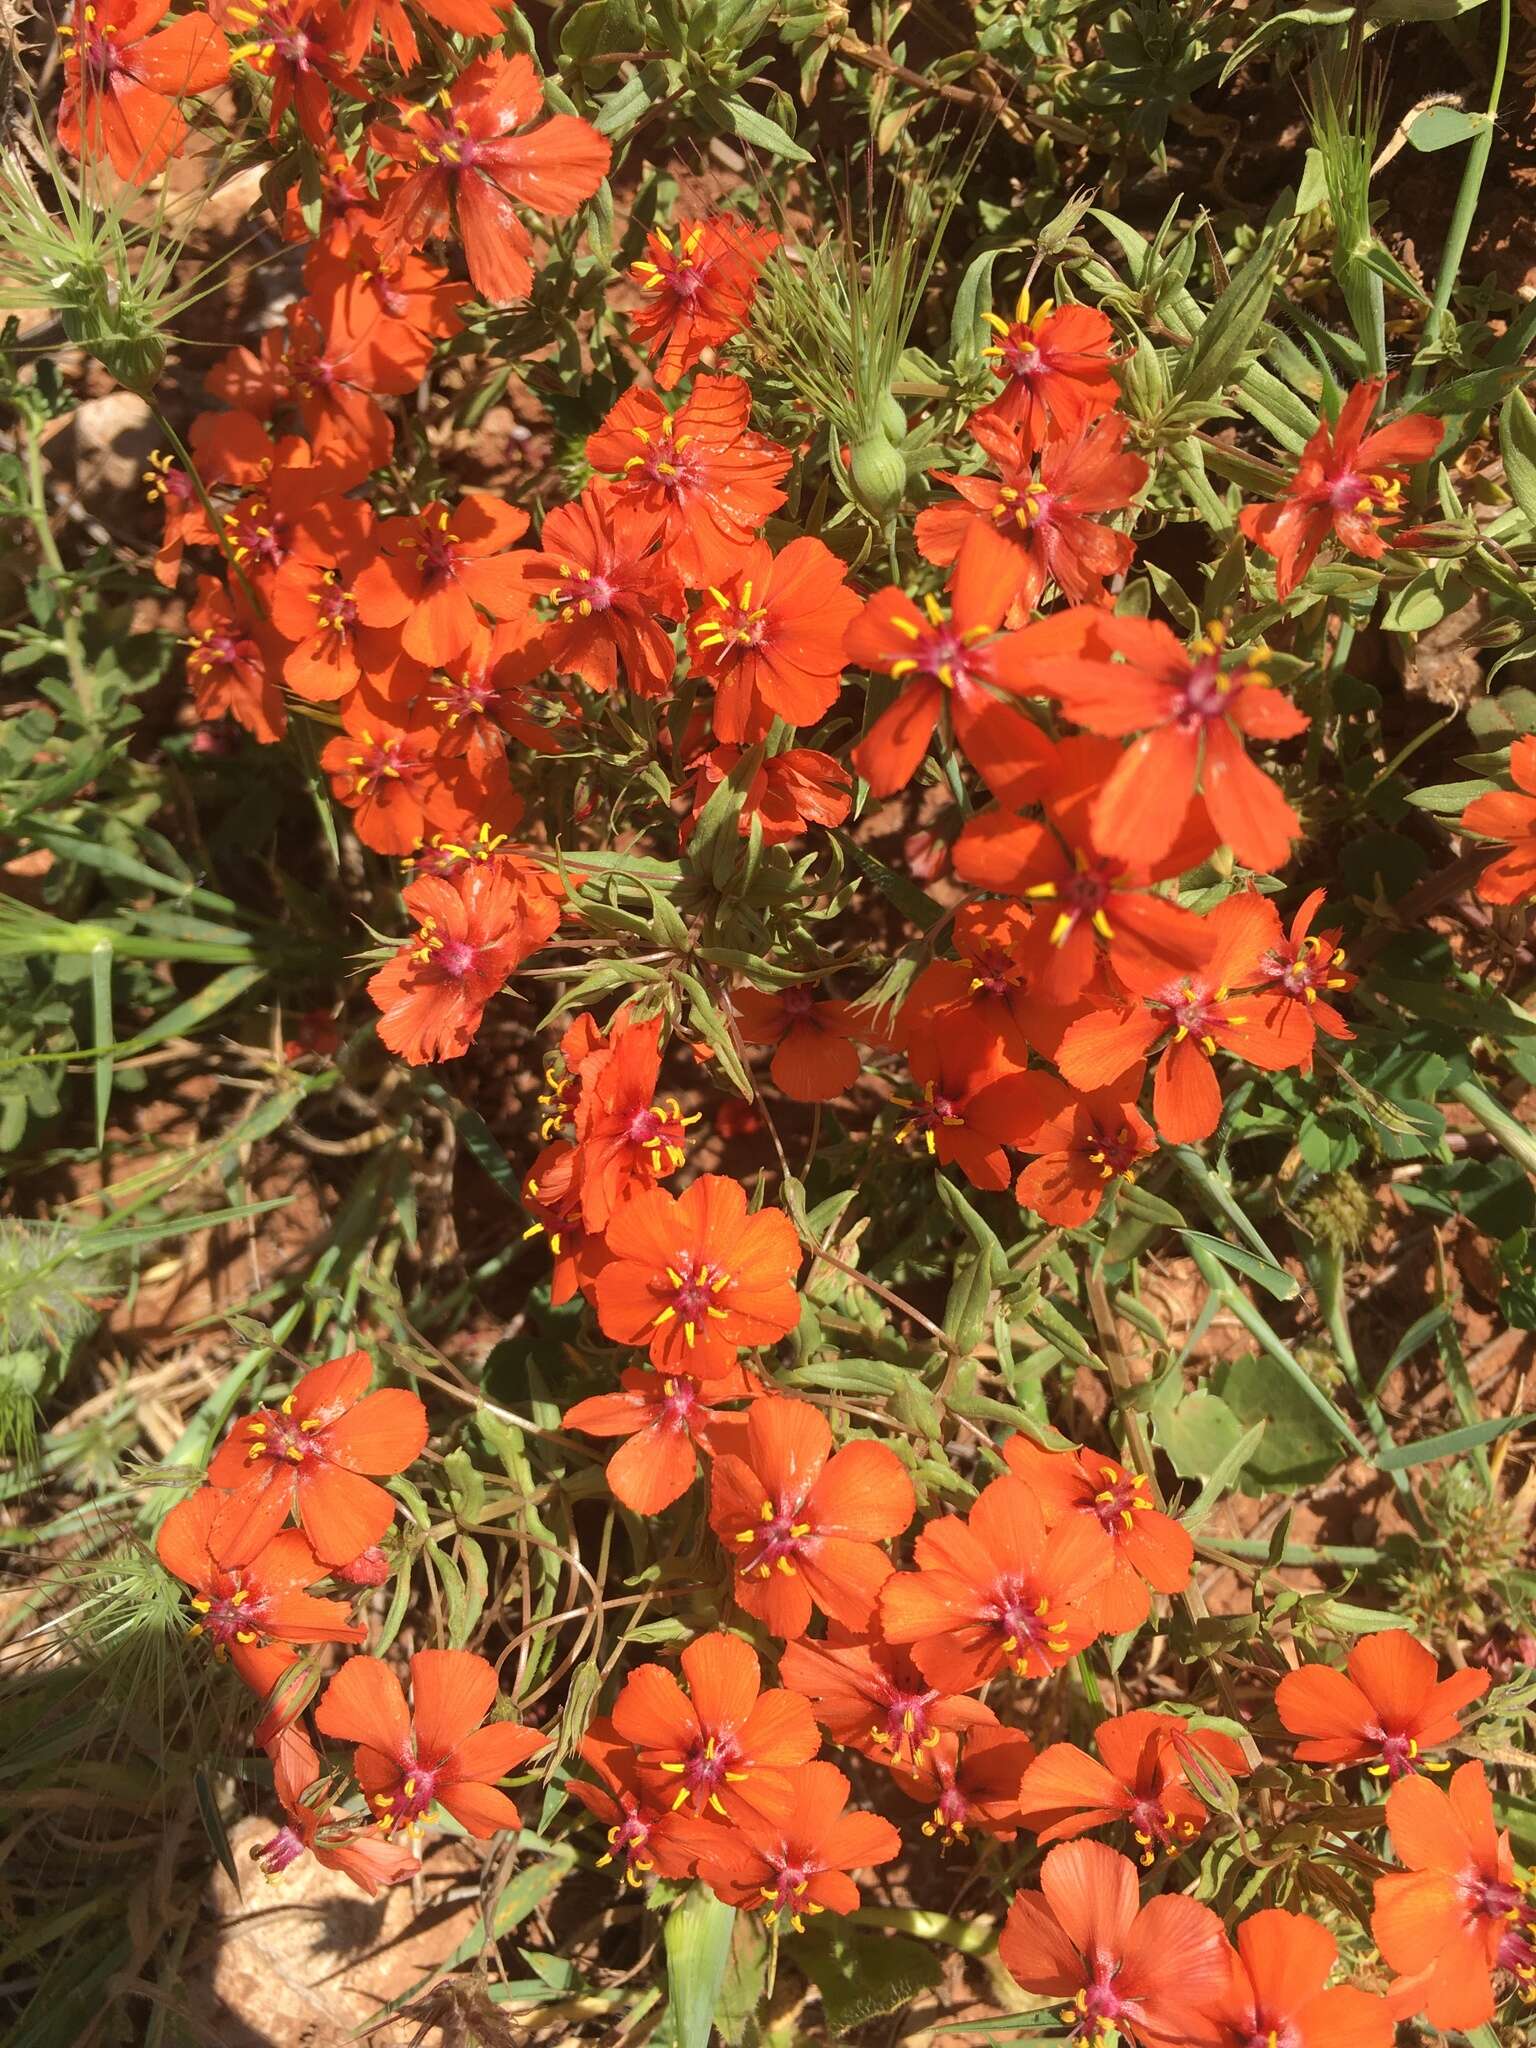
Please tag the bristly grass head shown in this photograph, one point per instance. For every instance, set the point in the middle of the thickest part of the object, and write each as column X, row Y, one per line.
column 1345, row 113
column 110, row 281
column 834, row 319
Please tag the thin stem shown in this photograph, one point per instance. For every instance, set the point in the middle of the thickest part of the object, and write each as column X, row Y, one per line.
column 1478, row 152
column 57, row 575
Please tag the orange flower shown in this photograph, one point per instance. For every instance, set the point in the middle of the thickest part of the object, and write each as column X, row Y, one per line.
column 435, row 1752
column 310, row 1454
column 666, row 1420
column 1348, row 483
column 972, row 1782
column 1042, row 514
column 1193, row 708
column 712, row 480
column 1385, row 1713
column 1150, row 1548
column 699, row 283
column 473, row 929
column 802, row 1522
column 1141, row 1782
column 814, row 1057
column 122, row 79
column 1299, row 965
column 972, row 1104
column 1455, row 1915
column 955, row 666
column 384, row 775
column 311, row 1826
column 696, row 1278
column 467, row 156
column 798, row 1865
column 790, row 791
column 432, row 570
column 1055, row 365
column 644, row 1833
column 1279, row 1979
column 870, row 1696
column 770, row 638
column 233, row 665
column 626, row 1140
column 301, row 47
column 1151, row 1975
column 1508, row 816
column 463, row 17
column 552, row 1196
column 1104, row 907
column 254, row 1612
column 313, row 604
column 998, row 1589
column 1086, row 1143
column 728, row 1747
column 1216, row 1009
column 612, row 587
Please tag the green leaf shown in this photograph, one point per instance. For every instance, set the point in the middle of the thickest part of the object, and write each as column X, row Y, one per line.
column 698, row 1943
column 1444, row 127
column 1225, row 1471
column 479, row 1141
column 1390, row 271
column 213, row 1823
column 1451, row 1444
column 973, row 301
column 1199, row 1433
column 861, row 1973
column 1297, row 1446
column 101, row 1033
column 915, row 904
column 1517, row 445
column 1229, row 330
column 1263, row 1272
column 1296, row 21
column 761, row 131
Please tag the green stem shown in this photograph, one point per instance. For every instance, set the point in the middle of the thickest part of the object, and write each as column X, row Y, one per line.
column 1293, row 1553
column 1478, row 152
column 1497, row 1121
column 57, row 576
column 1328, row 1281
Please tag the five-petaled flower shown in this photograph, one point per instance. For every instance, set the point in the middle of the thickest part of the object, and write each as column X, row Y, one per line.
column 802, row 1523
column 1140, row 1782
column 434, row 1752
column 1508, row 817
column 1348, row 483
column 1385, row 1710
column 311, row 1454
column 798, row 1864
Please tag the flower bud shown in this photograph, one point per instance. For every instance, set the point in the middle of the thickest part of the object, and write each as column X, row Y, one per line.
column 879, row 474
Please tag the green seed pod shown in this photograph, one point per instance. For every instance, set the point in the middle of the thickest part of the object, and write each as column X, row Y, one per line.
column 879, row 475
column 115, row 323
column 891, row 420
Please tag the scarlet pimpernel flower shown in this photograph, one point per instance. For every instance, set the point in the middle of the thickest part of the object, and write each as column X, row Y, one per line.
column 699, row 282
column 124, row 76
column 626, row 1139
column 1508, row 817
column 601, row 567
column 1386, row 1710
column 795, row 1866
column 971, row 1781
column 1086, row 1145
column 666, row 1420
column 438, row 569
column 434, row 1752
column 475, row 158
column 1045, row 506
column 1154, row 1975
column 814, row 1055
column 1152, row 1551
column 1348, row 484
column 1455, row 1916
column 318, row 1454
column 254, row 1613
column 801, row 1522
column 869, row 1695
column 1280, row 1991
column 473, row 929
column 311, row 1826
column 1140, row 1783
column 696, row 1278
column 770, row 638
column 997, row 1590
column 1193, row 708
column 1056, row 363
column 712, row 479
column 726, row 1745
column 647, row 1836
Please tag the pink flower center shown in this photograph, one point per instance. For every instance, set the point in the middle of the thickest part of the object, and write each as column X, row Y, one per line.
column 1121, row 1496
column 1030, row 1629
column 670, row 464
column 696, row 1288
column 405, row 1807
column 903, row 1725
column 274, row 1434
column 1204, row 696
column 1113, row 1153
column 773, row 1543
column 285, row 1847
column 232, row 1616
